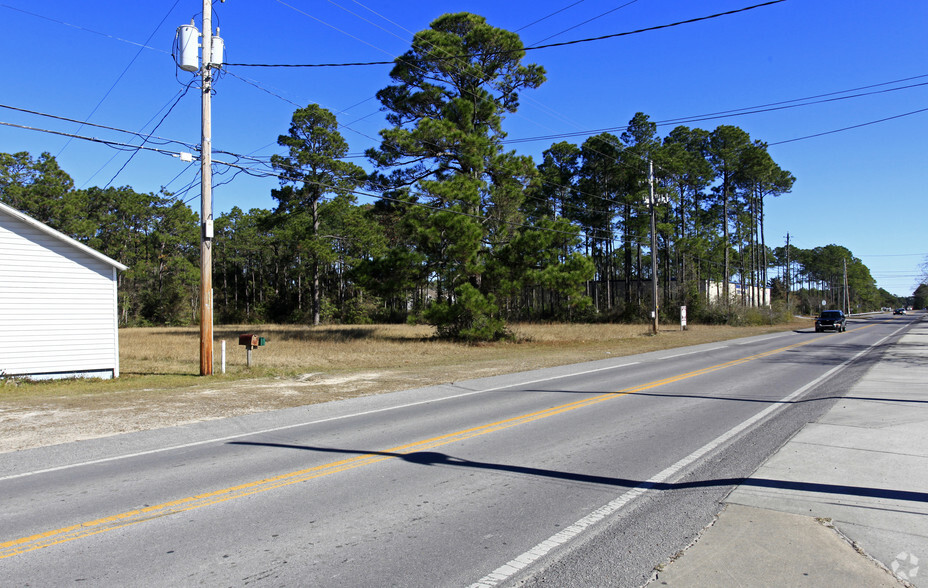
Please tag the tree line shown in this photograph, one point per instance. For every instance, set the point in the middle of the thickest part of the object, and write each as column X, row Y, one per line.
column 463, row 234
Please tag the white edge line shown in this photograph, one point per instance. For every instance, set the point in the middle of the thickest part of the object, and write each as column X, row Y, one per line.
column 521, row 562
column 763, row 339
column 296, row 425
column 694, row 352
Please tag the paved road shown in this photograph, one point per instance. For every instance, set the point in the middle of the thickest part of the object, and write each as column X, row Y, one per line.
column 581, row 475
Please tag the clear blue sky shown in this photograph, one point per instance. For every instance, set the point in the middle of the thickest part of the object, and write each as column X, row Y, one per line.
column 109, row 62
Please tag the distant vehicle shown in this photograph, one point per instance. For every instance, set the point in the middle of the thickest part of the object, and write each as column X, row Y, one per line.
column 899, row 311
column 831, row 320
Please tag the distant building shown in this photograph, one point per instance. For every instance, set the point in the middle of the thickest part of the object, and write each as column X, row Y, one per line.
column 58, row 311
column 746, row 294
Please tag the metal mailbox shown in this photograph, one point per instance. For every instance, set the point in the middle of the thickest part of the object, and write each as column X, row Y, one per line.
column 250, row 341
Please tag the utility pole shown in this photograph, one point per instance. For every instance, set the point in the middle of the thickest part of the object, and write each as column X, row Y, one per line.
column 654, row 307
column 847, row 302
column 206, row 198
column 212, row 54
column 787, row 272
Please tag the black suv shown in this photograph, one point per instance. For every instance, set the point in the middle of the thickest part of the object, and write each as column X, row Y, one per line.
column 831, row 319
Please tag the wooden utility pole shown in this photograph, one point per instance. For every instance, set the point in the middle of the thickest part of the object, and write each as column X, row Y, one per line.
column 654, row 306
column 206, row 199
column 847, row 301
column 787, row 273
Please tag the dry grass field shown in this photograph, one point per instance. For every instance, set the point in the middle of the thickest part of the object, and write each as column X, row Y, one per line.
column 159, row 385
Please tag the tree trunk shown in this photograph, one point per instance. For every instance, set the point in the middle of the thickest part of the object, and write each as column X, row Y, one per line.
column 725, row 239
column 315, row 266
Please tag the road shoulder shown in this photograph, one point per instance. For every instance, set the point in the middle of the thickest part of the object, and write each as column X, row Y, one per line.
column 862, row 467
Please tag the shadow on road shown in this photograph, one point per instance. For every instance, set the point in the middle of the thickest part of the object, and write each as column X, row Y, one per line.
column 433, row 458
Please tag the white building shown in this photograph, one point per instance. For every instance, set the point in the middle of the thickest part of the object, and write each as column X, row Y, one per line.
column 58, row 311
column 750, row 295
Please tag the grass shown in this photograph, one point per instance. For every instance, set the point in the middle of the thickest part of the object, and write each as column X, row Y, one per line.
column 293, row 350
column 159, row 383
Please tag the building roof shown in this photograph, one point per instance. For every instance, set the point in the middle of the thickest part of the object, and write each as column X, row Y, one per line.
column 60, row 236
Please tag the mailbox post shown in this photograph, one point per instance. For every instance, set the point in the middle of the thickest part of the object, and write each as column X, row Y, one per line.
column 250, row 341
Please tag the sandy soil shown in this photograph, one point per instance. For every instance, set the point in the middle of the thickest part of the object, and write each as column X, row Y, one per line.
column 54, row 420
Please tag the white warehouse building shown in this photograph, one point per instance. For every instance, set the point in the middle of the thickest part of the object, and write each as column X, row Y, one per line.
column 58, row 310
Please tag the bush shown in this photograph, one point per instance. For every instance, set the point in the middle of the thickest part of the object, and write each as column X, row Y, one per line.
column 736, row 315
column 471, row 317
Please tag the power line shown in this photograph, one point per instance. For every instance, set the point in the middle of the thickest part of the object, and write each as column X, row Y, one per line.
column 583, row 23
column 304, row 13
column 170, row 104
column 80, row 28
column 131, row 157
column 254, row 173
column 556, row 12
column 114, row 144
column 893, row 255
column 119, row 78
column 814, row 97
column 373, row 24
column 783, row 105
column 182, row 172
column 461, row 59
column 872, row 122
column 255, row 84
column 265, row 174
column 147, row 138
column 561, row 44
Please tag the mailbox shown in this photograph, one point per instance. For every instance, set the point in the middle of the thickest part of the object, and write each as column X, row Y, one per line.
column 249, row 340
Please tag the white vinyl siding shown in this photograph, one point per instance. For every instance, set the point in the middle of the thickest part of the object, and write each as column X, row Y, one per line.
column 57, row 305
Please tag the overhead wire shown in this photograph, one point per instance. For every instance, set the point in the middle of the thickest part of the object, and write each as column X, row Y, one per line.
column 85, row 29
column 783, row 105
column 396, row 58
column 561, row 44
column 701, row 118
column 150, row 137
column 458, row 59
column 131, row 157
column 814, row 97
column 866, row 124
column 537, row 46
column 114, row 144
column 360, row 40
column 123, row 73
column 241, row 169
column 617, row 8
column 175, row 178
column 333, row 3
column 270, row 173
column 147, row 137
column 846, row 128
column 452, row 57
column 555, row 13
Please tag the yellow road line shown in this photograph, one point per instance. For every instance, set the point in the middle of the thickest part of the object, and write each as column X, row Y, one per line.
column 65, row 534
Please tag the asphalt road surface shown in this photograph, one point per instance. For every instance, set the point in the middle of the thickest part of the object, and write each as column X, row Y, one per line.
column 583, row 475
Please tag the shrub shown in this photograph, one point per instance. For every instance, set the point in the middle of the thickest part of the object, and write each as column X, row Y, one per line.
column 471, row 317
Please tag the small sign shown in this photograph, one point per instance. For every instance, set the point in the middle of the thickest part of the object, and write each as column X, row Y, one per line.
column 682, row 318
column 824, row 302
